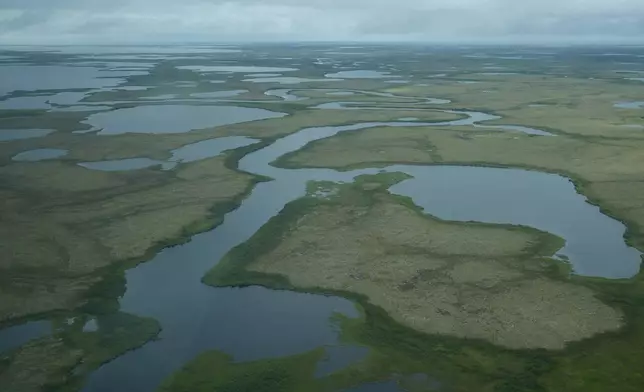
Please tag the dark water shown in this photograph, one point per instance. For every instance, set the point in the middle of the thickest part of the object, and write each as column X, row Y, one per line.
column 255, row 323
column 14, row 337
column 594, row 241
column 250, row 323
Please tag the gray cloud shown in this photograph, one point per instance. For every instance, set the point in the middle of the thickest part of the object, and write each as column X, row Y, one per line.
column 123, row 21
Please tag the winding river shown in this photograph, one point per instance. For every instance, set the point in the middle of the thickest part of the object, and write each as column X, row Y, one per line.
column 255, row 323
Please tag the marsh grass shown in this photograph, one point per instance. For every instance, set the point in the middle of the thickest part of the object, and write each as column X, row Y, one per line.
column 215, row 371
column 458, row 364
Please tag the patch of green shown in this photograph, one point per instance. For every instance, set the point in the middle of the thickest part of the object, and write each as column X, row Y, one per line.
column 607, row 362
column 115, row 334
column 61, row 362
column 216, row 371
column 231, row 271
column 614, row 362
column 307, row 118
column 43, row 119
column 460, row 364
column 102, row 297
column 604, row 170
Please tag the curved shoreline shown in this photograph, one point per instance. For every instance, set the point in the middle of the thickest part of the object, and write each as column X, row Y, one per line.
column 244, row 163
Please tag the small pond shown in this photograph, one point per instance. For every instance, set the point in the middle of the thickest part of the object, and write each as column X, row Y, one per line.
column 173, row 118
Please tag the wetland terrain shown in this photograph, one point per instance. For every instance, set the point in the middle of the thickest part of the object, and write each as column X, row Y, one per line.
column 320, row 218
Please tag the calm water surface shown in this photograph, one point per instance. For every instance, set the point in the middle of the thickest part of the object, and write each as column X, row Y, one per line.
column 256, row 323
column 40, row 154
column 14, row 337
column 173, row 118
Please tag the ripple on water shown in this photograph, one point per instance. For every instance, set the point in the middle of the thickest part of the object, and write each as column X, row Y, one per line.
column 173, row 118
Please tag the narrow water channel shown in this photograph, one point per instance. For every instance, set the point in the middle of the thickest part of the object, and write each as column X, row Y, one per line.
column 255, row 323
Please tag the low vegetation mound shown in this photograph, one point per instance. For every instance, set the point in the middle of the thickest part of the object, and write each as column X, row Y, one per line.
column 470, row 280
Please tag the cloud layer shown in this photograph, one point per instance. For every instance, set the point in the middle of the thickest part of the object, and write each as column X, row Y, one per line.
column 128, row 21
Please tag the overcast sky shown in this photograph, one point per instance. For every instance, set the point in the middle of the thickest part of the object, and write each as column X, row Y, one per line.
column 141, row 21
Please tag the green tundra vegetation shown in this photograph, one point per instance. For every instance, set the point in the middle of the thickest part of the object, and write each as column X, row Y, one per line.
column 444, row 305
column 505, row 316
